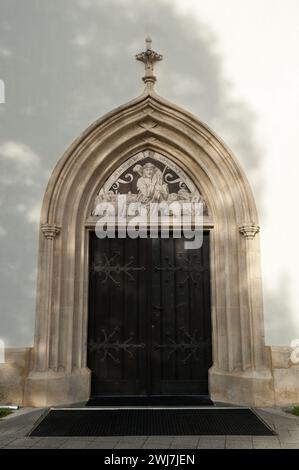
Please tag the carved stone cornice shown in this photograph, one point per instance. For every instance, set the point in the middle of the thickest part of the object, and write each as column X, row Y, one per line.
column 249, row 231
column 50, row 231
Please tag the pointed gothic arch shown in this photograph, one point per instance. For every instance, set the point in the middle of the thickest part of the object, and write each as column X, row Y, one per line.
column 58, row 371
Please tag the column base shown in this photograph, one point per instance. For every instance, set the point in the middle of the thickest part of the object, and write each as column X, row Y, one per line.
column 50, row 388
column 252, row 388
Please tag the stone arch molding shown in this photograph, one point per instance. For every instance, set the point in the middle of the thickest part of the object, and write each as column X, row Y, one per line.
column 58, row 372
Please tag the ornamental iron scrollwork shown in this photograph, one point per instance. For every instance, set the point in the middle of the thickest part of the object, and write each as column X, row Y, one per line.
column 111, row 269
column 108, row 344
column 189, row 345
column 191, row 267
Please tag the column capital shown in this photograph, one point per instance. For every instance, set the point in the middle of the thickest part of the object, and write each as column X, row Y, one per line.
column 249, row 231
column 50, row 230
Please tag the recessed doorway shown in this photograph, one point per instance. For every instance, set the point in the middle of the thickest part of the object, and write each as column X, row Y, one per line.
column 149, row 331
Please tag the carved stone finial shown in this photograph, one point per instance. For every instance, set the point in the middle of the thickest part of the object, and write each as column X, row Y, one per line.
column 50, row 231
column 149, row 57
column 148, row 43
column 249, row 231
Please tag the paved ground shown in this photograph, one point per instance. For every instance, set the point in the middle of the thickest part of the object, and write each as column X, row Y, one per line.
column 14, row 428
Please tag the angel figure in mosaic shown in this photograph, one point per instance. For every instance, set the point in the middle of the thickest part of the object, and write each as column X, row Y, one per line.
column 150, row 185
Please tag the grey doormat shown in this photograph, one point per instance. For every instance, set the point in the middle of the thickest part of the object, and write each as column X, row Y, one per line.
column 149, row 422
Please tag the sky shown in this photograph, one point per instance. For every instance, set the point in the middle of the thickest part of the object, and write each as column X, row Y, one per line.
column 257, row 41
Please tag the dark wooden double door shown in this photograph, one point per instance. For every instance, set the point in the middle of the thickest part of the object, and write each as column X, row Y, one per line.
column 149, row 330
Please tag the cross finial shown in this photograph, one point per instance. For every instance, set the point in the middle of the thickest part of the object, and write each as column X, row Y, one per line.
column 149, row 57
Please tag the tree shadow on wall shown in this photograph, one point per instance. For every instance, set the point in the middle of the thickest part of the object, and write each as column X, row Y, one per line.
column 66, row 63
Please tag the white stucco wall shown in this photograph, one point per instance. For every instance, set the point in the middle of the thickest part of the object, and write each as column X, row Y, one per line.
column 66, row 62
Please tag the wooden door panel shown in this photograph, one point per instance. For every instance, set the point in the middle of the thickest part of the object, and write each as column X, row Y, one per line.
column 117, row 302
column 181, row 336
column 149, row 320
